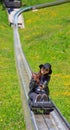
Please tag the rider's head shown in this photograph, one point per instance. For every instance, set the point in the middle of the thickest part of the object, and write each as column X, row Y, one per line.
column 45, row 69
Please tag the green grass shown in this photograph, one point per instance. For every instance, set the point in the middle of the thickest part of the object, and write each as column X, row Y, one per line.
column 35, row 2
column 11, row 113
column 46, row 38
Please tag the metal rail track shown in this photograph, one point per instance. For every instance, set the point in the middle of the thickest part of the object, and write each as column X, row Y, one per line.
column 53, row 121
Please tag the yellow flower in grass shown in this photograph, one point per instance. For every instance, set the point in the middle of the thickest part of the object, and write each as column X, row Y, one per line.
column 1, row 120
column 56, row 75
column 27, row 36
column 68, row 33
column 29, row 21
column 53, row 13
column 55, row 94
column 67, row 84
column 66, row 76
column 66, row 94
column 2, row 27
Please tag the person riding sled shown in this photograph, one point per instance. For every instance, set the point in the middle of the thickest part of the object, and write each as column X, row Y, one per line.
column 38, row 85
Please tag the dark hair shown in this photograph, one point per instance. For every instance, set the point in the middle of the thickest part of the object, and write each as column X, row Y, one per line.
column 47, row 66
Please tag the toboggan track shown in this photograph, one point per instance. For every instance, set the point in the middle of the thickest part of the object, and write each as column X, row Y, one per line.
column 53, row 121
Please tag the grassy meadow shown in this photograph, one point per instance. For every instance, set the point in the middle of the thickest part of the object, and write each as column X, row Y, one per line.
column 34, row 2
column 46, row 38
column 11, row 113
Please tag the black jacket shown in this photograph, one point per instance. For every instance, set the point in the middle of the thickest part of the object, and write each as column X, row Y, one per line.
column 44, row 80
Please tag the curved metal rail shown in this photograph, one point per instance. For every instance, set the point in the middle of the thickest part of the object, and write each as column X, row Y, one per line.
column 58, row 2
column 55, row 120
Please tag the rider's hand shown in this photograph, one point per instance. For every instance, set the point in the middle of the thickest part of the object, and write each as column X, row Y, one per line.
column 41, row 87
column 35, row 77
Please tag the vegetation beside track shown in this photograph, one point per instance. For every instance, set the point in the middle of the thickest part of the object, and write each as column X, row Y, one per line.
column 35, row 2
column 11, row 113
column 46, row 38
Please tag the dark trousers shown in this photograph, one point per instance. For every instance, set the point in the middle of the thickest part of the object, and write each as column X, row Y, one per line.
column 33, row 93
column 32, row 96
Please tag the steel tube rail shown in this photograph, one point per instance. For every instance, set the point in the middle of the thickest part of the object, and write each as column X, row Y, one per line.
column 20, row 61
column 24, row 70
column 60, row 114
column 38, row 7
